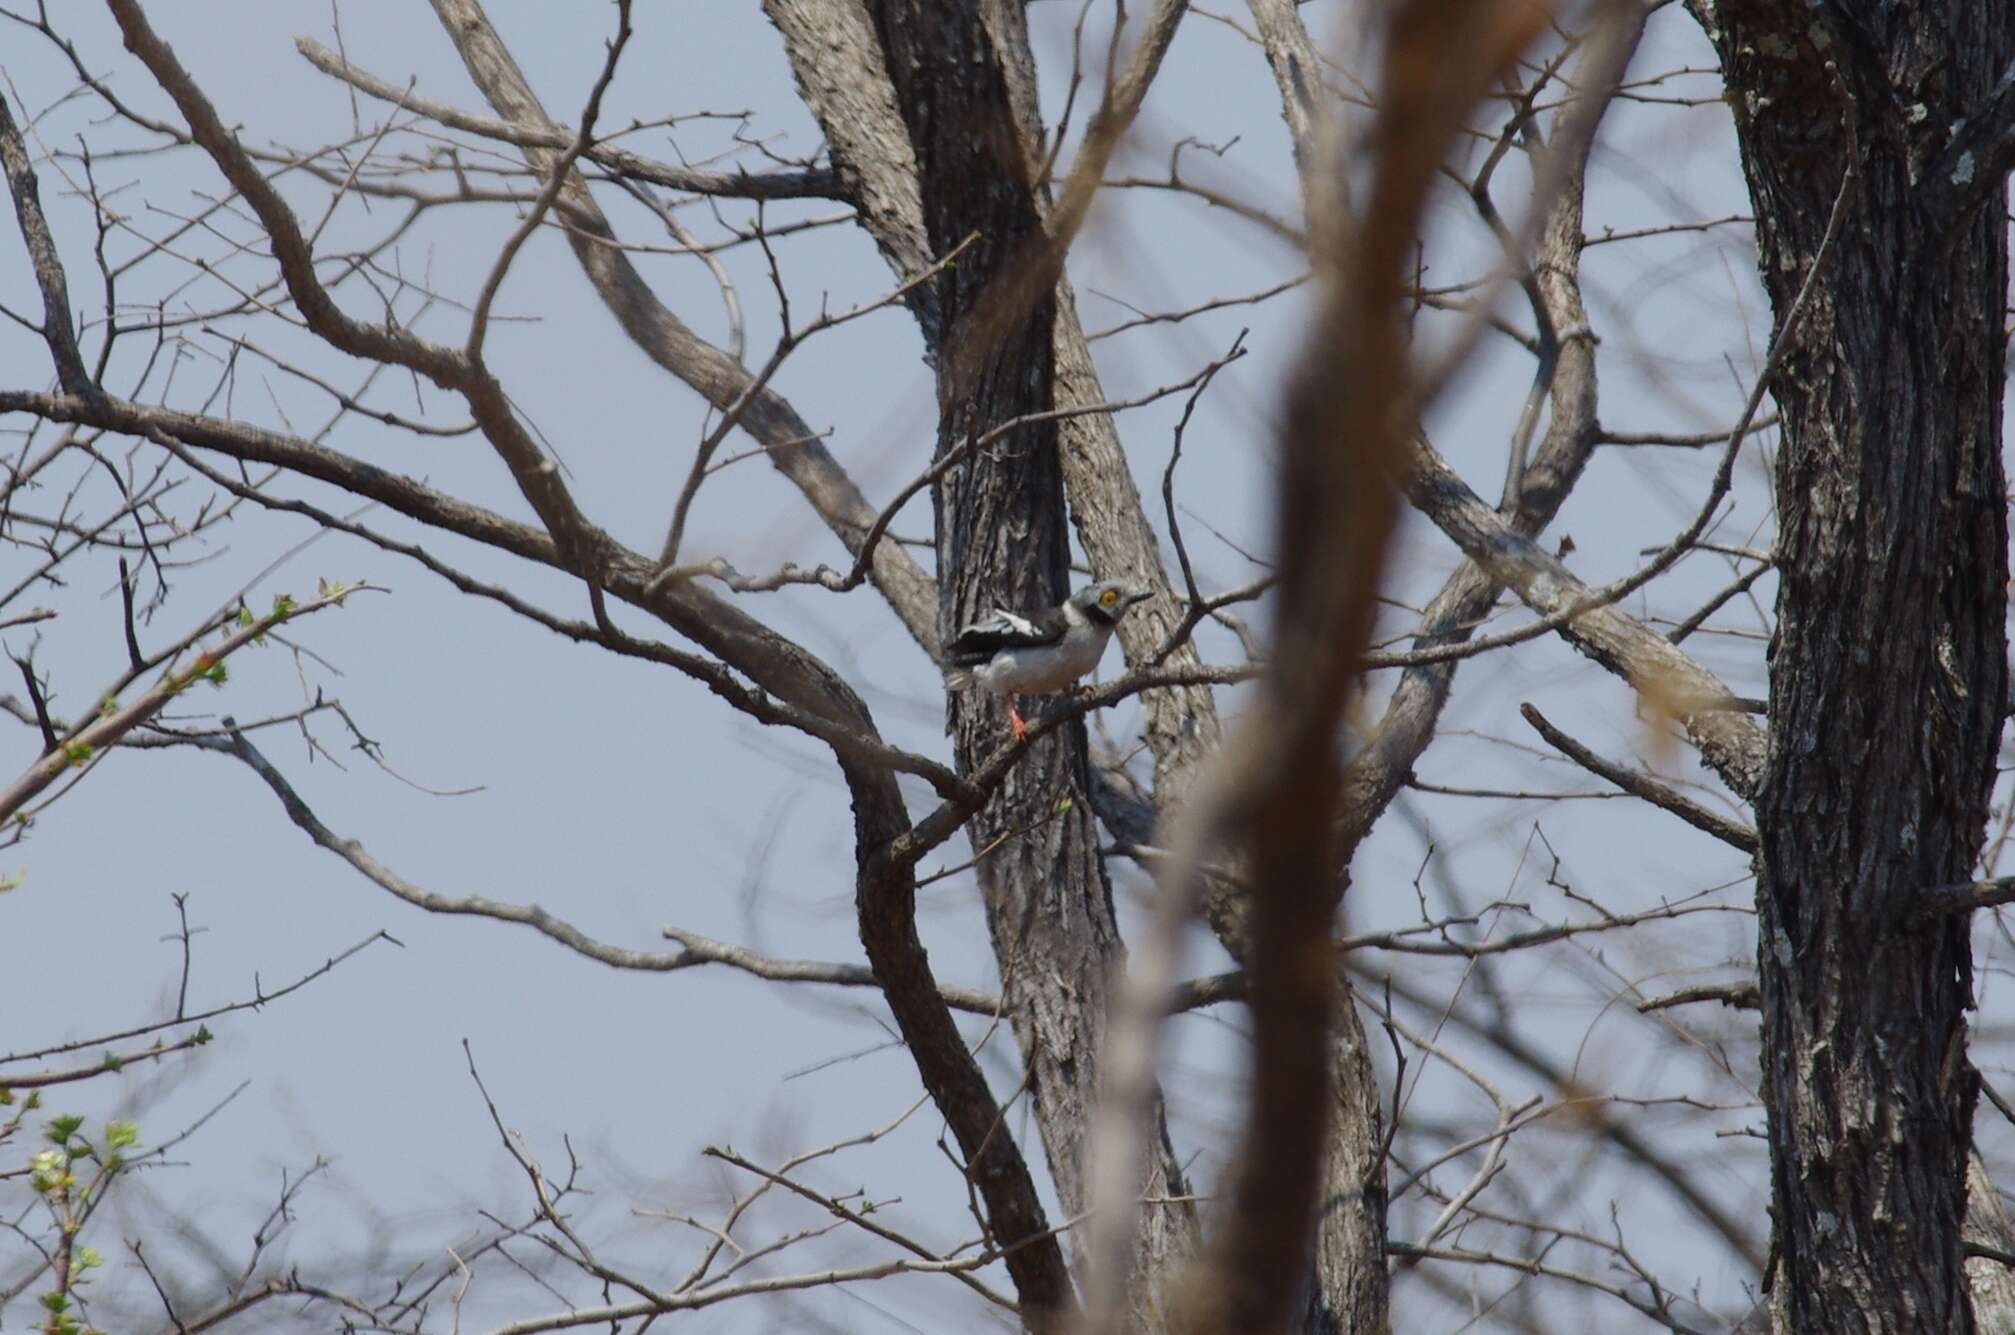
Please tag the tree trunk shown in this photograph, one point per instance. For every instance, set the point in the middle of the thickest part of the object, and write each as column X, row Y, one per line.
column 1002, row 541
column 1888, row 670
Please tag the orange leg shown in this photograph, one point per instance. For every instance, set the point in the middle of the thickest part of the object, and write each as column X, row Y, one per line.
column 1015, row 720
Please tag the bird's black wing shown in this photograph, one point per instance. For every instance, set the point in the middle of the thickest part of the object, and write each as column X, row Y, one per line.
column 980, row 641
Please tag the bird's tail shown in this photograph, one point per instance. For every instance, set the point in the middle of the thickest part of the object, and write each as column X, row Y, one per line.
column 958, row 679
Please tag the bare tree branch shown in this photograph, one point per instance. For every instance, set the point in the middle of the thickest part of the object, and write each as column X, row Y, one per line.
column 814, row 184
column 87, row 741
column 790, row 445
column 1641, row 785
column 57, row 330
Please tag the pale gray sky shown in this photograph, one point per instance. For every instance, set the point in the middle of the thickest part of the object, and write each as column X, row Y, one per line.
column 624, row 798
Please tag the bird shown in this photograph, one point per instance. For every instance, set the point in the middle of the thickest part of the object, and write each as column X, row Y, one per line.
column 1027, row 653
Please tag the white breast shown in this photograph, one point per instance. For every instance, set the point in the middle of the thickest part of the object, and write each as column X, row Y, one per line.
column 1049, row 667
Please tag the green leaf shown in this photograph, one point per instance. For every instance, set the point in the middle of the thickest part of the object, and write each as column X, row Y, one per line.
column 62, row 1128
column 121, row 1135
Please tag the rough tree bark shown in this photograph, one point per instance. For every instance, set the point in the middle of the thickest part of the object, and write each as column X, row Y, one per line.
column 1002, row 541
column 1888, row 669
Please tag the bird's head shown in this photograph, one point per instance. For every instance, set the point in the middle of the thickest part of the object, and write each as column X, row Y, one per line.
column 1105, row 602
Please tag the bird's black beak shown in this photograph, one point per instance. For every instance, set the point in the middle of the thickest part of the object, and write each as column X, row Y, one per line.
column 1138, row 596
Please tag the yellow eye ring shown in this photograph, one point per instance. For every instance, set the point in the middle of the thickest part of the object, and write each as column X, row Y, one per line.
column 1108, row 598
